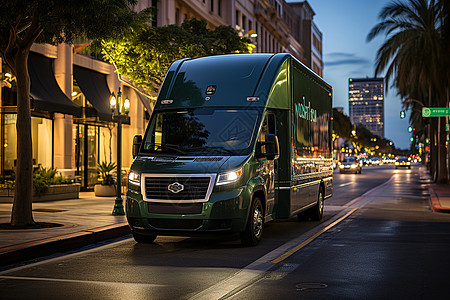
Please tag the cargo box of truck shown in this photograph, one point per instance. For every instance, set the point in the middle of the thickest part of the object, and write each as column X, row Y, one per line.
column 234, row 141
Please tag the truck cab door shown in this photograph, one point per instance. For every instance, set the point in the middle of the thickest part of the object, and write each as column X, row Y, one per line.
column 268, row 167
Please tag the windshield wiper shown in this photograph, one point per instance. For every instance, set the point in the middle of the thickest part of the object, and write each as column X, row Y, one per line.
column 206, row 148
column 169, row 146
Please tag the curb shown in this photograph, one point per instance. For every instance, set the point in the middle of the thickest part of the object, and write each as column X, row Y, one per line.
column 21, row 252
column 435, row 204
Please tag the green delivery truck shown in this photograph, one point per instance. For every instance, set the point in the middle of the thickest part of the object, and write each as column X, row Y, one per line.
column 234, row 141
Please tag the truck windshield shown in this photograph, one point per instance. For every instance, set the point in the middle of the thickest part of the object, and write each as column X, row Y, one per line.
column 202, row 131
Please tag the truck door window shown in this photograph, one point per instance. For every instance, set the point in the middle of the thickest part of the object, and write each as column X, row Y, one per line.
column 268, row 126
column 158, row 132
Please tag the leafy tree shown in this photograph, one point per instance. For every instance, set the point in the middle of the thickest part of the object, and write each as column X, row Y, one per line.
column 342, row 126
column 363, row 140
column 146, row 53
column 415, row 56
column 24, row 22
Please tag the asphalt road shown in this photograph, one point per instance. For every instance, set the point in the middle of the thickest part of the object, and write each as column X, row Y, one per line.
column 378, row 240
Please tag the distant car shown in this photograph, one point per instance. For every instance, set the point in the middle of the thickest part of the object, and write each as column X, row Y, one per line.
column 376, row 161
column 350, row 164
column 366, row 161
column 402, row 162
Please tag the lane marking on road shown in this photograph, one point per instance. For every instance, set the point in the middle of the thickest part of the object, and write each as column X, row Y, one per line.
column 344, row 184
column 112, row 283
column 257, row 269
column 310, row 239
column 352, row 203
column 369, row 193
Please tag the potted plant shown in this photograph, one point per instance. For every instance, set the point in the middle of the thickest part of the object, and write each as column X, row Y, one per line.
column 106, row 186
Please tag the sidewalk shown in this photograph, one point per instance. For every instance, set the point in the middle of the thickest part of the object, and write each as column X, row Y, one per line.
column 440, row 197
column 88, row 220
column 85, row 221
column 439, row 193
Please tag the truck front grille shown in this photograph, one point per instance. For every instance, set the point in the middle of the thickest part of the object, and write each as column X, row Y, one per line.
column 177, row 188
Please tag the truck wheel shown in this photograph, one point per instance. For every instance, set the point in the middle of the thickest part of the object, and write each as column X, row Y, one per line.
column 315, row 213
column 144, row 238
column 255, row 224
column 317, row 210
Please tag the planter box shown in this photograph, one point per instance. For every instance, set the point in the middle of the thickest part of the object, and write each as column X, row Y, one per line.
column 54, row 192
column 104, row 190
column 60, row 192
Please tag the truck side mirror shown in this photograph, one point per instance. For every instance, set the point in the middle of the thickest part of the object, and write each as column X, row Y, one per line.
column 137, row 141
column 272, row 146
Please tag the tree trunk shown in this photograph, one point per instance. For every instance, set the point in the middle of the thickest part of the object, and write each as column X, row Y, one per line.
column 442, row 174
column 433, row 147
column 22, row 207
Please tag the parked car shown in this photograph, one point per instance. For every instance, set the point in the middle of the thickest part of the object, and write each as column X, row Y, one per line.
column 350, row 164
column 402, row 162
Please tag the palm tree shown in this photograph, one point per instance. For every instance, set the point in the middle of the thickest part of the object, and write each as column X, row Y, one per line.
column 415, row 58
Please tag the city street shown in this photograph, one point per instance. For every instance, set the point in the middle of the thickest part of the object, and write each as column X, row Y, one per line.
column 378, row 239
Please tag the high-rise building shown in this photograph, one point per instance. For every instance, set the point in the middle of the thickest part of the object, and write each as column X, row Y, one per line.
column 366, row 103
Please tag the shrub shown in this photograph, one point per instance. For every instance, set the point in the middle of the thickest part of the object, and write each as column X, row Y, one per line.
column 105, row 169
column 44, row 177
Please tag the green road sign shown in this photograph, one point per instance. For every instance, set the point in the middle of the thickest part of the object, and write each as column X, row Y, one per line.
column 435, row 112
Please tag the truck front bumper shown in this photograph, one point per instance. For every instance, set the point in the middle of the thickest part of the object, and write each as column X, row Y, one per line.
column 224, row 212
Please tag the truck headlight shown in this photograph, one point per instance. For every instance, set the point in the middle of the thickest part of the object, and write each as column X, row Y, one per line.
column 229, row 177
column 134, row 178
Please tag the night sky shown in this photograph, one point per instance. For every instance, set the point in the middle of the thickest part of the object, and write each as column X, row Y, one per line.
column 346, row 53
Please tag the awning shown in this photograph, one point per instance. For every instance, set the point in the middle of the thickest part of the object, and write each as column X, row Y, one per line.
column 95, row 88
column 145, row 102
column 46, row 93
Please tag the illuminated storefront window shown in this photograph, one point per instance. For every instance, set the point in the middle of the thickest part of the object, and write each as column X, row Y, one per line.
column 41, row 134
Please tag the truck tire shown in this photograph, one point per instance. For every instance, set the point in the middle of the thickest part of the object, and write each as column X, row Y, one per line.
column 317, row 210
column 315, row 213
column 255, row 224
column 144, row 238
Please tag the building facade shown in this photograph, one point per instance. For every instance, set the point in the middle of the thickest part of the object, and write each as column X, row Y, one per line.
column 366, row 103
column 273, row 26
column 72, row 128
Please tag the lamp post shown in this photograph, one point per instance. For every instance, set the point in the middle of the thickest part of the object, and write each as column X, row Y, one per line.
column 120, row 109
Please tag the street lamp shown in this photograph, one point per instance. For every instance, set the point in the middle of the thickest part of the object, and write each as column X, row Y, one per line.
column 120, row 109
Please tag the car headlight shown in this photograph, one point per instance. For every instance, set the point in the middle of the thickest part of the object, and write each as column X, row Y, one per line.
column 396, row 163
column 229, row 177
column 353, row 166
column 408, row 163
column 134, row 178
column 341, row 166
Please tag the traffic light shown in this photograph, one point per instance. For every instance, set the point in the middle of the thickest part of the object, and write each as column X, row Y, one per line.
column 402, row 114
column 410, row 129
